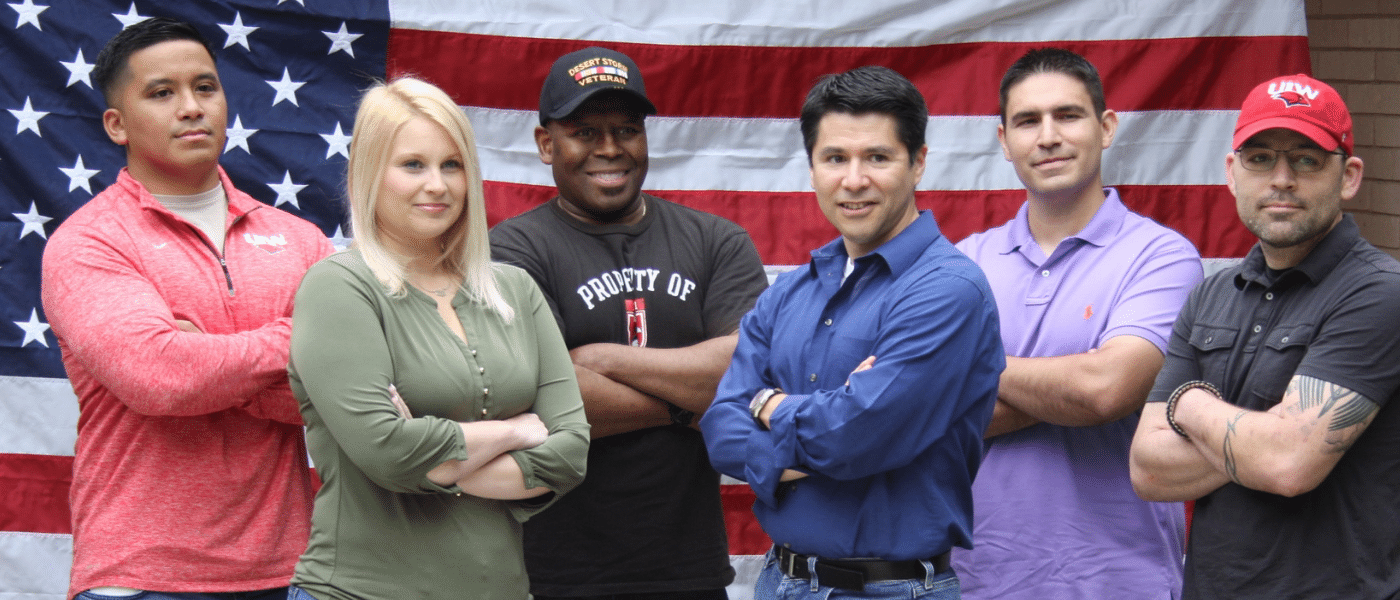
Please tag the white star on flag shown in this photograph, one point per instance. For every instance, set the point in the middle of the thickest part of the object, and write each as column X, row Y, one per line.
column 238, row 136
column 78, row 70
column 237, row 32
column 342, row 40
column 79, row 176
column 286, row 88
column 33, row 329
column 28, row 14
column 33, row 222
column 131, row 17
column 339, row 240
column 29, row 118
column 337, row 142
column 287, row 191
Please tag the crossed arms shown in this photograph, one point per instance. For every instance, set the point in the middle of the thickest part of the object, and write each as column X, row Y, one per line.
column 1287, row 450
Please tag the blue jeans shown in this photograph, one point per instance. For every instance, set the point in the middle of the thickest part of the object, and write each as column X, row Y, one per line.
column 272, row 594
column 772, row 584
column 295, row 593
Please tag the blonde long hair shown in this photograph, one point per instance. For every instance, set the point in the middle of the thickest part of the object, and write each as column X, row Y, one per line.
column 466, row 252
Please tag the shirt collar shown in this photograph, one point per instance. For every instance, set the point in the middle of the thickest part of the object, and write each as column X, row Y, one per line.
column 900, row 253
column 1099, row 231
column 1315, row 266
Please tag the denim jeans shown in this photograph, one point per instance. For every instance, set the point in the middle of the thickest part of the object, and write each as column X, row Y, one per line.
column 295, row 593
column 772, row 584
column 272, row 594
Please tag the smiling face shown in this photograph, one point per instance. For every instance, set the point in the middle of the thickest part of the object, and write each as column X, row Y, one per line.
column 1290, row 212
column 1053, row 138
column 864, row 178
column 599, row 159
column 170, row 113
column 423, row 191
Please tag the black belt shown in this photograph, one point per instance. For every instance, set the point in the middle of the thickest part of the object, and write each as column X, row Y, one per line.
column 852, row 574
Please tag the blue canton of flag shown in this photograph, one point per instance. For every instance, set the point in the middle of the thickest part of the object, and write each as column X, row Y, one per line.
column 292, row 71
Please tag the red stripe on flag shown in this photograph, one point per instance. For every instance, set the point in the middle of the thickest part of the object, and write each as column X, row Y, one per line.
column 746, row 536
column 34, row 493
column 957, row 79
column 787, row 226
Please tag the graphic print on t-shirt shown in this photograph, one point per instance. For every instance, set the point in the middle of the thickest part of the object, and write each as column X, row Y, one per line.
column 610, row 283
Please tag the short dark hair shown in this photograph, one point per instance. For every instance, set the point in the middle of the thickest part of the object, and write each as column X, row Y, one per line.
column 869, row 89
column 112, row 62
column 1054, row 60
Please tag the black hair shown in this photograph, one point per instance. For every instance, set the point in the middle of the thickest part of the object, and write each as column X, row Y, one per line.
column 1054, row 60
column 112, row 63
column 869, row 89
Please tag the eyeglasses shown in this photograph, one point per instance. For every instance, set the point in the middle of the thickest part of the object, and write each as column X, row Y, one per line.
column 1301, row 160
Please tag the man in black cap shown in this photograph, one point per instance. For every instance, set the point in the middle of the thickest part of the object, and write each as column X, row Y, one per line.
column 648, row 295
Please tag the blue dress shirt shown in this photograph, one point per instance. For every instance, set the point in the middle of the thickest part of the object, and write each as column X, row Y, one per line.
column 891, row 455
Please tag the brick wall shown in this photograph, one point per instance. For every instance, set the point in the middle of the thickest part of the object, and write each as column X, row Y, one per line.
column 1356, row 48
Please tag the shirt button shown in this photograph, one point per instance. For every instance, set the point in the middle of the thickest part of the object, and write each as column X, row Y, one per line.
column 473, row 351
column 1258, row 328
column 483, row 412
column 481, row 369
column 1209, row 338
column 813, row 377
column 1269, row 296
column 486, row 391
column 827, row 322
column 1045, row 273
column 1284, row 340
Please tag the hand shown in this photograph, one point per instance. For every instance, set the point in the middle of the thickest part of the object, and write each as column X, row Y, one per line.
column 399, row 403
column 186, row 326
column 863, row 366
column 529, row 429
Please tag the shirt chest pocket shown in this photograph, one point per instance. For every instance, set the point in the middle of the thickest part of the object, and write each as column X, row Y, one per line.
column 1278, row 359
column 1213, row 345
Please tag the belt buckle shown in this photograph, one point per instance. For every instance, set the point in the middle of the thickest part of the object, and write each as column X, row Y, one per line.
column 787, row 560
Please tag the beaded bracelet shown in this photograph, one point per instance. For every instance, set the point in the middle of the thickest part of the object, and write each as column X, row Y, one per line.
column 1176, row 395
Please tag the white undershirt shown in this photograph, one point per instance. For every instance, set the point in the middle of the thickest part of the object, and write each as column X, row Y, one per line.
column 206, row 210
column 114, row 591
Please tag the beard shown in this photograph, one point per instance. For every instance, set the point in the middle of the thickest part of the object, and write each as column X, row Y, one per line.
column 1292, row 230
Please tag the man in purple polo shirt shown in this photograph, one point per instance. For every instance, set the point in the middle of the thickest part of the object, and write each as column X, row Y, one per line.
column 1087, row 292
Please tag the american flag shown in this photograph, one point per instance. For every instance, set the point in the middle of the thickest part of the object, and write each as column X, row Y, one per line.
column 728, row 77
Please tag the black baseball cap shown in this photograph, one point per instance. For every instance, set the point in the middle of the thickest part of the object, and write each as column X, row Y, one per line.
column 578, row 75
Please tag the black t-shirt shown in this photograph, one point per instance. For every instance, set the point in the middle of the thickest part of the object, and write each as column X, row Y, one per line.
column 1334, row 317
column 647, row 517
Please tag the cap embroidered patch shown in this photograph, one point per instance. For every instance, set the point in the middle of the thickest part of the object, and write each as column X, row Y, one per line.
column 599, row 70
column 1292, row 93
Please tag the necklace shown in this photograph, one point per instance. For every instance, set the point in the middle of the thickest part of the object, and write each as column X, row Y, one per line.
column 441, row 292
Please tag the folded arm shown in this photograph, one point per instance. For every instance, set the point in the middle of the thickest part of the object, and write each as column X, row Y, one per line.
column 686, row 377
column 118, row 327
column 1089, row 388
column 1287, row 450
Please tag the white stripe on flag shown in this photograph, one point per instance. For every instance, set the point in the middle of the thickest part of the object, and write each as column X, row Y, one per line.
column 40, row 416
column 34, row 566
column 841, row 24
column 766, row 155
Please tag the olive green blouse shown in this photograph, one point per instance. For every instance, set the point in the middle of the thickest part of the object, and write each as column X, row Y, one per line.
column 380, row 528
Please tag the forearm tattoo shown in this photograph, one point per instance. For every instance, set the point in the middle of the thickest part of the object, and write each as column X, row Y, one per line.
column 1227, row 448
column 1348, row 409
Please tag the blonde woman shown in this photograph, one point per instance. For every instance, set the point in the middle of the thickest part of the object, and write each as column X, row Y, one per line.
column 424, row 498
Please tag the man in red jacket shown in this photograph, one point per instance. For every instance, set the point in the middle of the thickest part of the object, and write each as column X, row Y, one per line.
column 170, row 294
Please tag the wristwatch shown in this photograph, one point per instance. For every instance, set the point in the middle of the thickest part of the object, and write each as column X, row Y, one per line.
column 680, row 416
column 759, row 401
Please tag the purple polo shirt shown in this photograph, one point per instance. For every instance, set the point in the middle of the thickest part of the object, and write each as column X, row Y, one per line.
column 1054, row 513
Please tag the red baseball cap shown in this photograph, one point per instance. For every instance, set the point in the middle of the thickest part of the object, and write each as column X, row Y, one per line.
column 1300, row 103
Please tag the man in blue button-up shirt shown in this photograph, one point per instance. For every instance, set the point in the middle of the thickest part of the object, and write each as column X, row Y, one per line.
column 857, row 397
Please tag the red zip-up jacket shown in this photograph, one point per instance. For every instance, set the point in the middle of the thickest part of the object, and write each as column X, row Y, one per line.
column 190, row 469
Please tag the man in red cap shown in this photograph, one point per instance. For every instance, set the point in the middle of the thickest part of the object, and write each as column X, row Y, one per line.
column 1276, row 409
